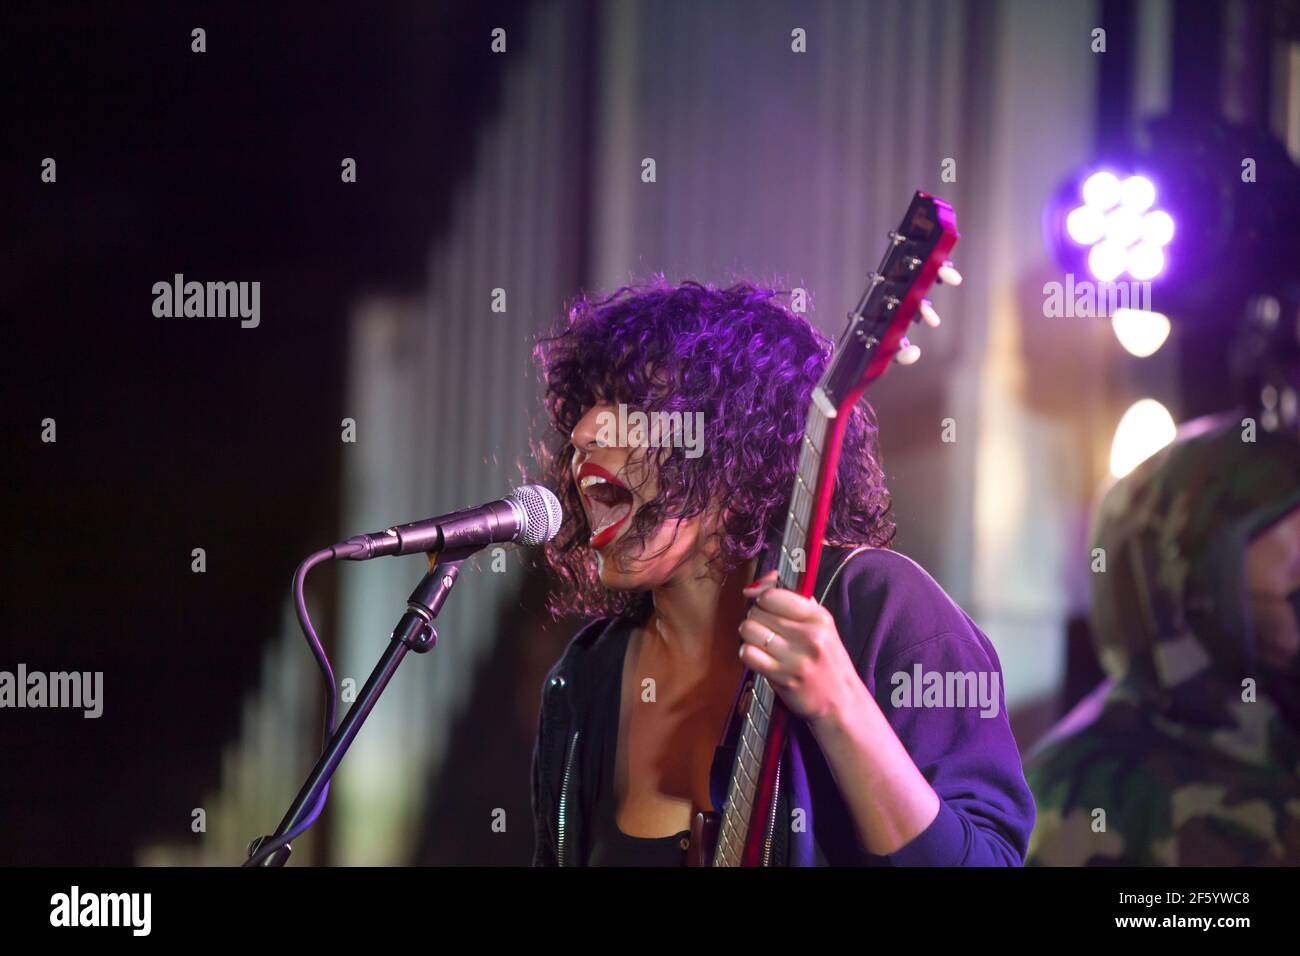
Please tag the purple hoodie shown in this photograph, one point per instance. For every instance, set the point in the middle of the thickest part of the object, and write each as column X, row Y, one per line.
column 935, row 676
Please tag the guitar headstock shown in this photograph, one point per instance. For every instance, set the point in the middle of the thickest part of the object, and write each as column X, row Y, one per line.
column 916, row 251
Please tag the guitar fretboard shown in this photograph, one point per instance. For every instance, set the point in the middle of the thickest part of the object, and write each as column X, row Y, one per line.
column 752, row 740
column 794, row 542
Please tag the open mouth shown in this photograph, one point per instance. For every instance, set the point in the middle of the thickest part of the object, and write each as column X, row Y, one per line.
column 609, row 503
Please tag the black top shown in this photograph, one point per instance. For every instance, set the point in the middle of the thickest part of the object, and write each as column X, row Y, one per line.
column 610, row 846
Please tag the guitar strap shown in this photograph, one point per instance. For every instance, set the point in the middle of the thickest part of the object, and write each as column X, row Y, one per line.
column 724, row 755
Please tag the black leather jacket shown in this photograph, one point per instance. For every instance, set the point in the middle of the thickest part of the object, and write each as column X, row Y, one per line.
column 558, row 784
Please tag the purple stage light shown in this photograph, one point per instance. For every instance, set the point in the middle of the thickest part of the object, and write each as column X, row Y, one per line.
column 1117, row 226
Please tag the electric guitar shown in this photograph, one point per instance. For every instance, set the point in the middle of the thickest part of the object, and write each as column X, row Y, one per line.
column 742, row 835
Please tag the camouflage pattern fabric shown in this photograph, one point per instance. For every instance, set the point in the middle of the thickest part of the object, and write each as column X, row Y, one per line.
column 1182, row 757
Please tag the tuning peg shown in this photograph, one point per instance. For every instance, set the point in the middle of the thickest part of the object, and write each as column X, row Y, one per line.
column 907, row 354
column 928, row 315
column 949, row 275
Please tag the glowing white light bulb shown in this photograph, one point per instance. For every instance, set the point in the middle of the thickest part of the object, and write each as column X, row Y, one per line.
column 1085, row 225
column 1106, row 260
column 1123, row 226
column 1158, row 228
column 1137, row 193
column 1145, row 261
column 1140, row 332
column 1145, row 428
column 1101, row 190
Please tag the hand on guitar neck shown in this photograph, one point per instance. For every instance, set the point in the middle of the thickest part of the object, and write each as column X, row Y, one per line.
column 793, row 642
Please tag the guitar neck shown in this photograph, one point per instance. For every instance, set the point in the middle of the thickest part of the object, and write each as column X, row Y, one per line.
column 796, row 570
column 796, row 549
column 893, row 296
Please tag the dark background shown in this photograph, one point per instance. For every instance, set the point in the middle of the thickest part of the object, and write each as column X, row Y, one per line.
column 225, row 164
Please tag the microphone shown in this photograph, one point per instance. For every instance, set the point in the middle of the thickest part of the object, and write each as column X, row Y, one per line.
column 529, row 515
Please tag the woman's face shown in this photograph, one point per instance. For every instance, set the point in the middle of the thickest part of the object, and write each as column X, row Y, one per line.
column 614, row 481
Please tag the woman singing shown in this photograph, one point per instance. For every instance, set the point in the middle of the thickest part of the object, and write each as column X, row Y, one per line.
column 660, row 543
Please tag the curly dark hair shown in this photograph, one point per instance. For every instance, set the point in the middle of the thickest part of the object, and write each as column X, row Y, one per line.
column 749, row 365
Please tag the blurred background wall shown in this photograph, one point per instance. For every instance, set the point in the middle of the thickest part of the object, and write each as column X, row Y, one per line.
column 517, row 176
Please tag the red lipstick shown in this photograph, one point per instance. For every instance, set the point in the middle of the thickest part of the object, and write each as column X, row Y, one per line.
column 608, row 501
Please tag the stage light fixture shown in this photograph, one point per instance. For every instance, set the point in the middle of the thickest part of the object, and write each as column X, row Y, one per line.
column 1117, row 226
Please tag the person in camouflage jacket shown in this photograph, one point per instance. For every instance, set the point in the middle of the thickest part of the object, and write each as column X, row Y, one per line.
column 1189, row 752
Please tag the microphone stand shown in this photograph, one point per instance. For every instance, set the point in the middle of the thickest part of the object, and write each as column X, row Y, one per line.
column 414, row 632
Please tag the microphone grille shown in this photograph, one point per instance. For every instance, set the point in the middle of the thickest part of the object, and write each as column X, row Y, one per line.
column 542, row 514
